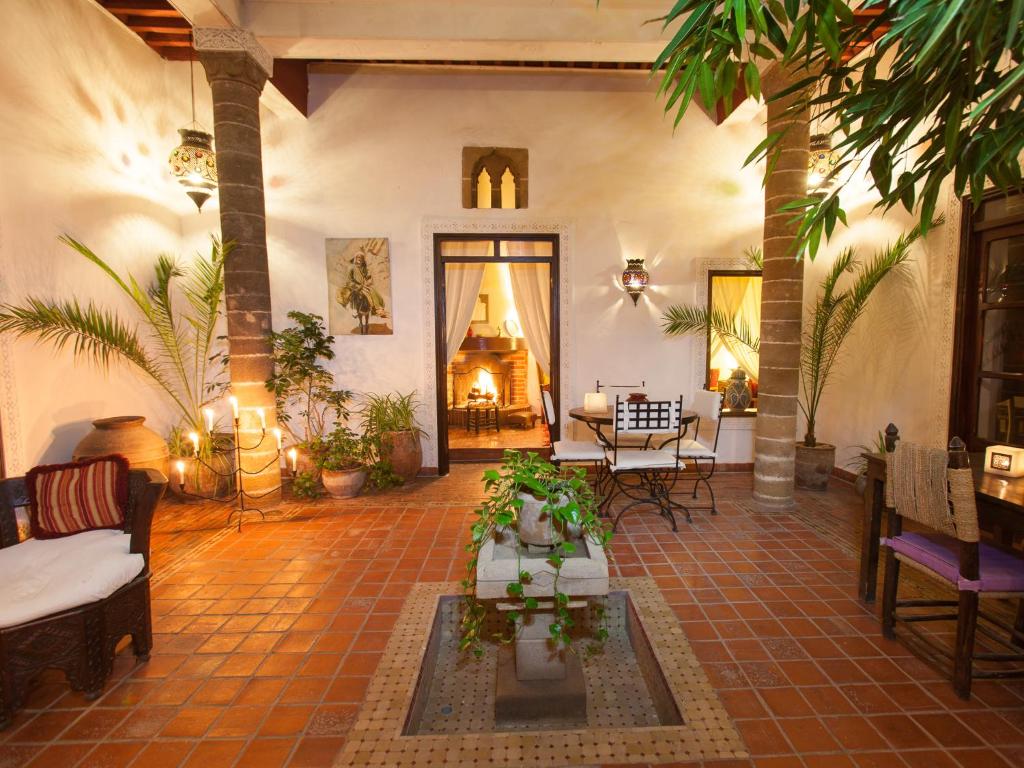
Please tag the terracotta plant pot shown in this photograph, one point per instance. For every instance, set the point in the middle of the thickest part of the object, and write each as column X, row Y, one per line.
column 127, row 436
column 343, row 483
column 814, row 466
column 405, row 452
column 201, row 480
column 536, row 527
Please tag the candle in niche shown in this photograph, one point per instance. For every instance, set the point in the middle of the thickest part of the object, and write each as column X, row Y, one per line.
column 277, row 436
column 293, row 457
column 180, row 466
column 263, row 419
column 595, row 402
column 194, row 437
column 234, row 407
column 208, row 413
column 1004, row 460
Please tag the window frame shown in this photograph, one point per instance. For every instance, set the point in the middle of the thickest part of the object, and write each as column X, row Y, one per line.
column 971, row 306
column 712, row 274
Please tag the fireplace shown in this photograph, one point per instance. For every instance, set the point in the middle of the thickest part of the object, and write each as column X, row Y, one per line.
column 488, row 370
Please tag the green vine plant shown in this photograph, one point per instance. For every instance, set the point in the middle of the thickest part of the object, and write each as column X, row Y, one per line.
column 571, row 506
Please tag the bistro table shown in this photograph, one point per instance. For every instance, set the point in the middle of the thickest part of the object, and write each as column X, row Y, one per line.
column 1000, row 502
column 595, row 420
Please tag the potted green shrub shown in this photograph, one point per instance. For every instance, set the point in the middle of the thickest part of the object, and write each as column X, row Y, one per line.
column 390, row 421
column 343, row 459
column 307, row 400
column 539, row 504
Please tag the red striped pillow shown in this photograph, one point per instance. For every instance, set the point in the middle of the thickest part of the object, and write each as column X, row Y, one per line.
column 65, row 499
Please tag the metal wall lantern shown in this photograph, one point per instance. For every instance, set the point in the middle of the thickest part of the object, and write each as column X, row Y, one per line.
column 821, row 164
column 635, row 278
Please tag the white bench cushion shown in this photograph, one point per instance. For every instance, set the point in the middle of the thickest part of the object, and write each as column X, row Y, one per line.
column 636, row 460
column 41, row 577
column 577, row 450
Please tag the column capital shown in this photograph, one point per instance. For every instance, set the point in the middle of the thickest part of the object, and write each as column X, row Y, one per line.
column 215, row 44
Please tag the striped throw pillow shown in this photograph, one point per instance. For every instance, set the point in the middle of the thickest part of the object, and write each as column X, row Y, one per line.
column 65, row 499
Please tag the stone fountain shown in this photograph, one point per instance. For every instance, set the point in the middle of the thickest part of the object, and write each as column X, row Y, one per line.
column 537, row 681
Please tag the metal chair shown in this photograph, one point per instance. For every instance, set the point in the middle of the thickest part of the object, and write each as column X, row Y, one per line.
column 645, row 476
column 708, row 406
column 936, row 489
column 573, row 451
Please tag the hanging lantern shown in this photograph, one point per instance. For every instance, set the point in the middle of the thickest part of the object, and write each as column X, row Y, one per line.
column 193, row 162
column 821, row 164
column 635, row 278
column 194, row 165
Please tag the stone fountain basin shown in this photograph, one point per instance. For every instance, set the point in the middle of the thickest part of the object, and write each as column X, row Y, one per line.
column 584, row 572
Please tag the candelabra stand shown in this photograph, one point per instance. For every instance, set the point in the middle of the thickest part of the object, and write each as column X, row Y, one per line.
column 240, row 495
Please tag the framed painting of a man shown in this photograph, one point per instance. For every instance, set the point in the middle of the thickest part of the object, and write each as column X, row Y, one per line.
column 359, row 286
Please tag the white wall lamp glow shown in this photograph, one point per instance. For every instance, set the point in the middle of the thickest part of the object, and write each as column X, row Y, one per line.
column 193, row 162
column 821, row 164
column 635, row 278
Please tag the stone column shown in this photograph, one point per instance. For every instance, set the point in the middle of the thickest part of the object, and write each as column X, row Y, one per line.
column 782, row 289
column 237, row 68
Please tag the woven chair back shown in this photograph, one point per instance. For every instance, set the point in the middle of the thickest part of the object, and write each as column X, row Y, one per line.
column 921, row 486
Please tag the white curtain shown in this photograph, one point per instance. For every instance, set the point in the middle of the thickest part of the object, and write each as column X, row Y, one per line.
column 740, row 298
column 461, row 291
column 531, row 290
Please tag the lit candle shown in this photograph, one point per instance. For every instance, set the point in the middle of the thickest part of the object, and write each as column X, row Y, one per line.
column 180, row 466
column 595, row 402
column 263, row 419
column 234, row 407
column 293, row 456
column 208, row 413
column 277, row 436
column 194, row 437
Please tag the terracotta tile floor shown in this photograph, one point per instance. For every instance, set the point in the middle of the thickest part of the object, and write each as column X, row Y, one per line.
column 266, row 640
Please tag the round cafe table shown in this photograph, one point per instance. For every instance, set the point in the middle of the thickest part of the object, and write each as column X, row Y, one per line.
column 595, row 420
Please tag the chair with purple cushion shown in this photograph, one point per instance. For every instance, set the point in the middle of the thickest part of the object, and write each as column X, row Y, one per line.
column 935, row 489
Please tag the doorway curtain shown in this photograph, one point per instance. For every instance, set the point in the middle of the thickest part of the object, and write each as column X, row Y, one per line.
column 462, row 289
column 531, row 291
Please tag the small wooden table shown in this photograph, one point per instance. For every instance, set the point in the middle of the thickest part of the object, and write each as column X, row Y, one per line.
column 1000, row 503
column 606, row 418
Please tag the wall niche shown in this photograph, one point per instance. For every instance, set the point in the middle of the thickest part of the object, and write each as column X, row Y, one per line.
column 495, row 177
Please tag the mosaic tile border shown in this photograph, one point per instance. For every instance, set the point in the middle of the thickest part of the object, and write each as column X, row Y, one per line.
column 376, row 737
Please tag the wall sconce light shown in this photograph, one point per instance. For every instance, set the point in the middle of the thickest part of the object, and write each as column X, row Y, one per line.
column 635, row 278
column 821, row 164
column 193, row 162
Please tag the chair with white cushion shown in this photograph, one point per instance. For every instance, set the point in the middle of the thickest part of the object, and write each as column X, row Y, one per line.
column 572, row 451
column 645, row 475
column 708, row 407
column 67, row 601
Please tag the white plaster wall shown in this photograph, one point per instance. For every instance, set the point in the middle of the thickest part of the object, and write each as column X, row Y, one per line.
column 896, row 365
column 381, row 152
column 90, row 115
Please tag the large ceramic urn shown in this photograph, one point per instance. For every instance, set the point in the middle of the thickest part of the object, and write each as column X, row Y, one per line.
column 127, row 436
column 405, row 453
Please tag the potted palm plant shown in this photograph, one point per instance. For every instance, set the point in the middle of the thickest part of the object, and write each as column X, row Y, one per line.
column 343, row 459
column 173, row 342
column 831, row 318
column 390, row 420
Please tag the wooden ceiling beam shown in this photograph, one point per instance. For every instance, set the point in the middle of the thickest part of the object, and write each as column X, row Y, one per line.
column 156, row 24
column 159, row 8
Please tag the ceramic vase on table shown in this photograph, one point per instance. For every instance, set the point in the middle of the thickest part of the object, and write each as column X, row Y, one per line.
column 737, row 395
column 127, row 436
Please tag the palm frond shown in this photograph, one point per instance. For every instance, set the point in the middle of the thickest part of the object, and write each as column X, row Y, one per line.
column 96, row 334
column 680, row 319
column 755, row 256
